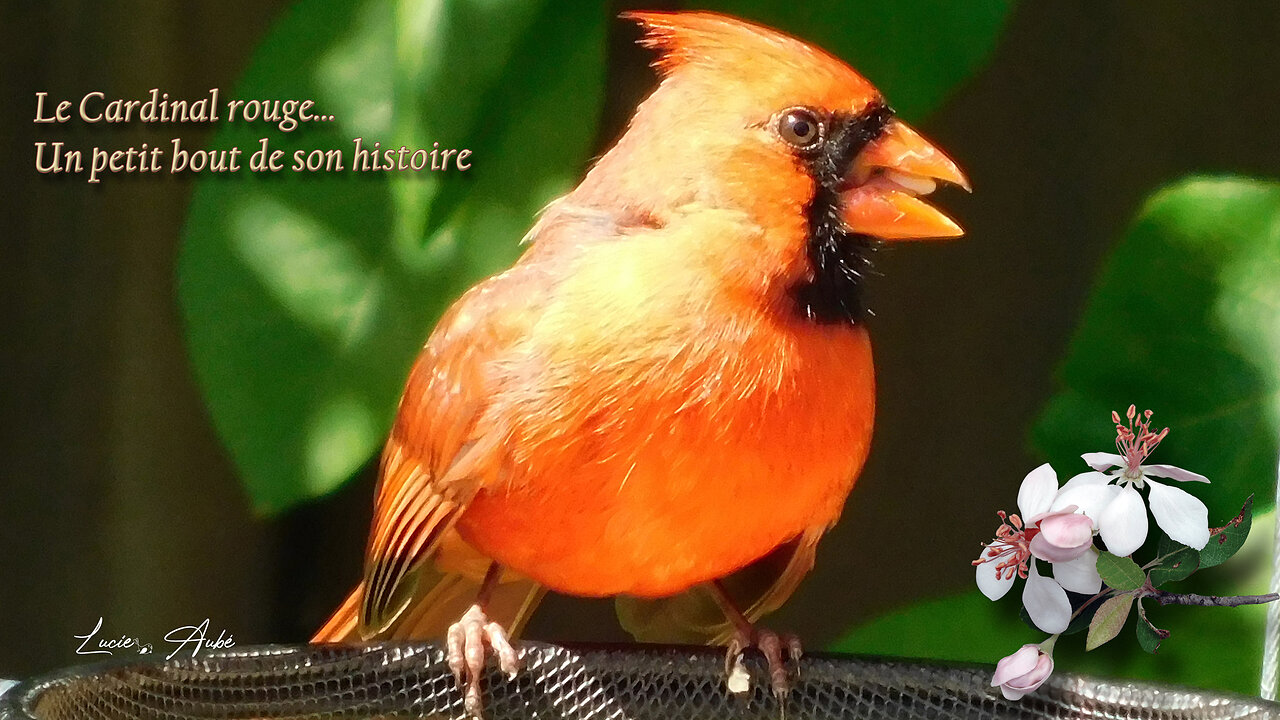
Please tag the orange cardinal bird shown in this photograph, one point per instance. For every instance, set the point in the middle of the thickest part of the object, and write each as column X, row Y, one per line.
column 673, row 386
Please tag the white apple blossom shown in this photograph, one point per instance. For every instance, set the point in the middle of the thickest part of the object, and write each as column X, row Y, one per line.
column 1118, row 510
column 1060, row 537
column 1055, row 528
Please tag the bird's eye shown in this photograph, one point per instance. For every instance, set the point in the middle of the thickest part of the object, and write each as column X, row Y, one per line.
column 801, row 128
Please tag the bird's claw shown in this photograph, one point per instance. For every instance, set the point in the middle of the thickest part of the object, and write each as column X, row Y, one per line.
column 772, row 646
column 468, row 644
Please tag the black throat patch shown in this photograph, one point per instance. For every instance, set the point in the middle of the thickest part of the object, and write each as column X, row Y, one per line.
column 840, row 259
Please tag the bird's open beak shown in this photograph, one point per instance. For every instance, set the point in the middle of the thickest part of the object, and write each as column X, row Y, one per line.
column 882, row 198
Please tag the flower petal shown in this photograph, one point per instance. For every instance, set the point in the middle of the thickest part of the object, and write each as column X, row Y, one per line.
column 1016, row 665
column 992, row 586
column 1123, row 524
column 1090, row 498
column 1079, row 575
column 1014, row 688
column 1063, row 536
column 1011, row 694
column 1046, row 602
column 1173, row 473
column 1103, row 461
column 1037, row 491
column 1035, row 678
column 1181, row 515
column 1092, row 477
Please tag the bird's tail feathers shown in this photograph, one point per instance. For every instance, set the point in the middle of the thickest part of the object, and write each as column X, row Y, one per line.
column 429, row 616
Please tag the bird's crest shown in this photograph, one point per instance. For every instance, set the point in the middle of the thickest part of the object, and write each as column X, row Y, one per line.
column 684, row 38
column 760, row 56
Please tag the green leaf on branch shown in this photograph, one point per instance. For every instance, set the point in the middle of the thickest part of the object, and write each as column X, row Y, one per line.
column 307, row 295
column 1184, row 319
column 1166, row 545
column 1108, row 621
column 1176, row 565
column 1226, row 540
column 1120, row 573
column 1149, row 636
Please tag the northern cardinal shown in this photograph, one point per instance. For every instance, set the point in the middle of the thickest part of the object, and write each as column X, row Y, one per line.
column 674, row 383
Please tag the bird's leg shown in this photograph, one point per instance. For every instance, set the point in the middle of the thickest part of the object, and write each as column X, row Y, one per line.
column 471, row 639
column 769, row 643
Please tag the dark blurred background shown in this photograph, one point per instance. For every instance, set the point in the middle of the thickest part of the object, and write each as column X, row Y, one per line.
column 119, row 502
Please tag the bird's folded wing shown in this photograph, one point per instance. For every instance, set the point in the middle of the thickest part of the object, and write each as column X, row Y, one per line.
column 441, row 449
column 446, row 442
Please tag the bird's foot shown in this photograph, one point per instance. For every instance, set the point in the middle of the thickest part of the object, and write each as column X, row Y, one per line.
column 772, row 646
column 468, row 644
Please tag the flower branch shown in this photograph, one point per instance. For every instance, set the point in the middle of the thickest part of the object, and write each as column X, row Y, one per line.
column 1164, row 597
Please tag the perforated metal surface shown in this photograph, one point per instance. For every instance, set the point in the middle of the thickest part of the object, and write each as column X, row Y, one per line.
column 407, row 680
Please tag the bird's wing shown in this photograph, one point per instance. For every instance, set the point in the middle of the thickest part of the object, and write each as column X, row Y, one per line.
column 441, row 448
column 445, row 444
column 694, row 616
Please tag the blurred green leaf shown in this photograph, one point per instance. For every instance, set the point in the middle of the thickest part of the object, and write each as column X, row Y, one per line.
column 1185, row 320
column 916, row 53
column 1215, row 648
column 1108, row 621
column 1177, row 565
column 1229, row 538
column 306, row 296
column 1120, row 573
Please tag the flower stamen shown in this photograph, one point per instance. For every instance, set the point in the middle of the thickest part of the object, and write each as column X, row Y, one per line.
column 1011, row 548
column 1135, row 441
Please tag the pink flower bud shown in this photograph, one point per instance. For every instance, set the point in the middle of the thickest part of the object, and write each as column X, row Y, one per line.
column 1023, row 671
column 1064, row 535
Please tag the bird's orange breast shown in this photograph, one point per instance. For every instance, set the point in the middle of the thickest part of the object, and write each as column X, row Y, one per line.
column 654, row 445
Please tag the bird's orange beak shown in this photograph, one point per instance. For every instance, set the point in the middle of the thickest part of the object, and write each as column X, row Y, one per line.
column 884, row 185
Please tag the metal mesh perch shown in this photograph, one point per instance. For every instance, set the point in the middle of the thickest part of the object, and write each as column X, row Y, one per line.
column 410, row 680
